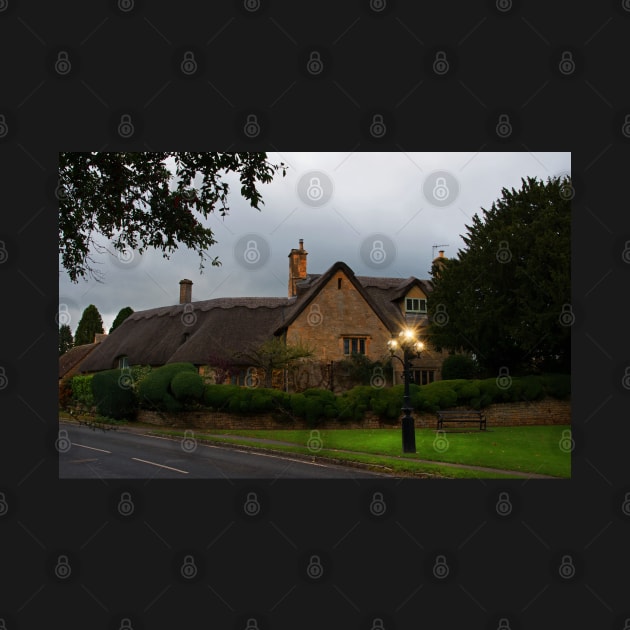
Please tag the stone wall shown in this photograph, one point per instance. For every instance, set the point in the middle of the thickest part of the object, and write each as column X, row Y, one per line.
column 541, row 412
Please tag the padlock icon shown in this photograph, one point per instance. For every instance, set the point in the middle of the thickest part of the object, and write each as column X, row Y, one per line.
column 4, row 379
column 566, row 65
column 440, row 568
column 504, row 624
column 3, row 624
column 251, row 5
column 504, row 5
column 625, row 381
column 567, row 318
column 125, row 126
column 126, row 5
column 440, row 317
column 504, row 505
column 188, row 568
column 504, row 255
column 377, row 380
column 315, row 570
column 60, row 191
column 314, row 317
column 63, row 315
column 125, row 504
column 315, row 191
column 440, row 190
column 251, row 378
column 314, row 442
column 625, row 506
column 4, row 506
column 62, row 443
column 252, row 127
column 125, row 380
column 377, row 624
column 125, row 624
column 4, row 128
column 626, row 623
column 504, row 380
column 315, row 64
column 566, row 443
column 440, row 442
column 378, row 255
column 62, row 568
column 251, row 506
column 440, row 63
column 189, row 317
column 189, row 443
column 625, row 128
column 189, row 64
column 378, row 505
column 63, row 65
column 252, row 624
column 251, row 254
column 566, row 568
column 504, row 126
column 625, row 255
column 378, row 5
column 377, row 128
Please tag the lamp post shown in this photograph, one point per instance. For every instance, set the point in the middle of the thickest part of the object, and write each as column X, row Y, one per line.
column 411, row 348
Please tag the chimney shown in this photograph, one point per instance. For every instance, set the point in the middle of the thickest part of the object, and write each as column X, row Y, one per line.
column 441, row 253
column 297, row 267
column 185, row 291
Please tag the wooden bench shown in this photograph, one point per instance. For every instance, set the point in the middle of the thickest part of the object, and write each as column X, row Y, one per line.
column 461, row 415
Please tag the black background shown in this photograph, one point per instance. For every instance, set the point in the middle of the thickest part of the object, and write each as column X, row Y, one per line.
column 374, row 62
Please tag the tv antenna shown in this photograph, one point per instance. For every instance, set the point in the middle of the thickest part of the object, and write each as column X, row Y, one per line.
column 434, row 248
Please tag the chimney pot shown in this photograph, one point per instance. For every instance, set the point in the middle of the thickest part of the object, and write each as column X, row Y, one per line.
column 185, row 291
column 441, row 252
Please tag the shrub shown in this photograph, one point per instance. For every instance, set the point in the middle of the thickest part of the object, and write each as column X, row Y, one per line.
column 458, row 366
column 82, row 389
column 557, row 385
column 155, row 392
column 113, row 397
column 187, row 386
column 65, row 393
column 218, row 396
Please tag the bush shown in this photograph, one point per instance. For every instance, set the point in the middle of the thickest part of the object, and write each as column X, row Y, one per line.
column 114, row 398
column 65, row 393
column 82, row 390
column 155, row 391
column 458, row 366
column 187, row 386
column 218, row 396
column 557, row 385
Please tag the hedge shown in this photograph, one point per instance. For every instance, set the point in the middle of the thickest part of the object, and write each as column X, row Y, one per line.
column 82, row 389
column 114, row 397
column 154, row 392
column 187, row 386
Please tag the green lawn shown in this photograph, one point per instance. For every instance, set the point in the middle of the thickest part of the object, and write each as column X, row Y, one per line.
column 532, row 449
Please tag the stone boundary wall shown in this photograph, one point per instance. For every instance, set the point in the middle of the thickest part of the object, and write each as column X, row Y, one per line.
column 539, row 412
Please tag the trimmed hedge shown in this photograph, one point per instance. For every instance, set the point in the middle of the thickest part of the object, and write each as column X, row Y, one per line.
column 187, row 386
column 82, row 389
column 113, row 395
column 154, row 391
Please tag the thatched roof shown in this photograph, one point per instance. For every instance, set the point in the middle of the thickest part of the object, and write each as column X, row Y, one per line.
column 217, row 330
column 71, row 361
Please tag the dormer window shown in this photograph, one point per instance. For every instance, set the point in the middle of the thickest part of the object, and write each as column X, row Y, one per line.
column 415, row 305
column 123, row 362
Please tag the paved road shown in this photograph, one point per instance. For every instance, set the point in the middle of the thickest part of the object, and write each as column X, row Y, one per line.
column 96, row 454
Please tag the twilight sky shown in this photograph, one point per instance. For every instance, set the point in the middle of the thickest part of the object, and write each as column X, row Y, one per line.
column 381, row 213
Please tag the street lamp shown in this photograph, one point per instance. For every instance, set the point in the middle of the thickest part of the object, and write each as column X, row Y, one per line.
column 411, row 347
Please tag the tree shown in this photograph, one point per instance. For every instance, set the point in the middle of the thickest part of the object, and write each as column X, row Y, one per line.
column 502, row 298
column 275, row 354
column 123, row 313
column 89, row 325
column 128, row 197
column 65, row 339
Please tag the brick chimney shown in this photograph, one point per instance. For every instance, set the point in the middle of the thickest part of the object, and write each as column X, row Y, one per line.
column 297, row 267
column 185, row 291
column 438, row 263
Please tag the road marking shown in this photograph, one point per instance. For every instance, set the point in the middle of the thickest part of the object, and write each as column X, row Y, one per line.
column 92, row 448
column 144, row 461
column 82, row 461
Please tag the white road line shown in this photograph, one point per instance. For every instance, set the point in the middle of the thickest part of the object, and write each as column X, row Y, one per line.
column 144, row 461
column 92, row 448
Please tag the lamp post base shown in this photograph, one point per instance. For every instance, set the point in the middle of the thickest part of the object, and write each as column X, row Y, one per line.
column 408, row 435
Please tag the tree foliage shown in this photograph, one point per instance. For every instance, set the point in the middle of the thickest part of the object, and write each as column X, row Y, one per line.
column 276, row 354
column 89, row 325
column 502, row 298
column 123, row 313
column 65, row 339
column 137, row 202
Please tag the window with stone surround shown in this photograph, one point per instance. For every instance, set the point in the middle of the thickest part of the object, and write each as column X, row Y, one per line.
column 354, row 345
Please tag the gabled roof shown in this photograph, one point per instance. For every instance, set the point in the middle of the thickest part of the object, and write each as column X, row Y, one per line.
column 72, row 359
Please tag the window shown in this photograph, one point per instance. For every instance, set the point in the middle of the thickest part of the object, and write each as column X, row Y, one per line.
column 354, row 345
column 423, row 377
column 415, row 305
column 339, row 283
column 123, row 362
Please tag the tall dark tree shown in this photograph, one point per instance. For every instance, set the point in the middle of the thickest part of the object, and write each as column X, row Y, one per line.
column 89, row 325
column 506, row 296
column 136, row 201
column 123, row 313
column 65, row 339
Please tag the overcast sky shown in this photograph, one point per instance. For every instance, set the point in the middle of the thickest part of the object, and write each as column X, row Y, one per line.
column 381, row 213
